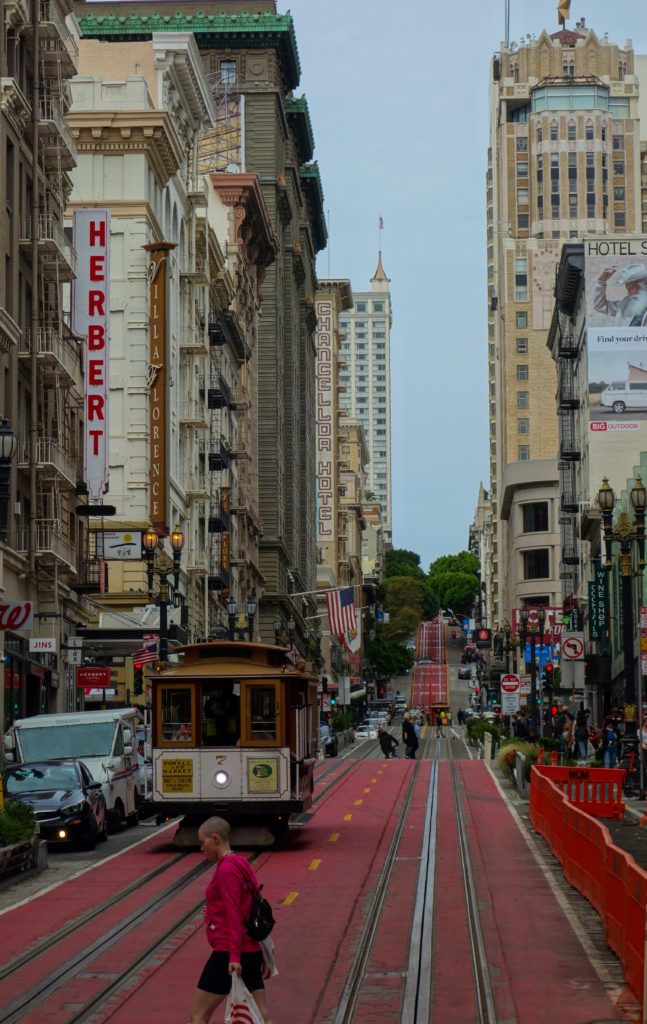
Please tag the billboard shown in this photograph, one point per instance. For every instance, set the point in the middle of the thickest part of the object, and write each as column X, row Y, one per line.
column 326, row 433
column 90, row 320
column 616, row 328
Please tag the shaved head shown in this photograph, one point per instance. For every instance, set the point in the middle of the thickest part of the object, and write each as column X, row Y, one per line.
column 215, row 826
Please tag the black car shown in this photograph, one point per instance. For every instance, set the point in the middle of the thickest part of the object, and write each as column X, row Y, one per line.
column 464, row 672
column 68, row 804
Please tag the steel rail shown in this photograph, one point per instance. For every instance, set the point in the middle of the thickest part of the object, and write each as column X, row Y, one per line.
column 481, row 971
column 348, row 1002
column 47, row 943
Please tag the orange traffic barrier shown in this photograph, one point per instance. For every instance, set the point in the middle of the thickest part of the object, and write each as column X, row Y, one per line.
column 596, row 790
column 554, row 757
column 608, row 876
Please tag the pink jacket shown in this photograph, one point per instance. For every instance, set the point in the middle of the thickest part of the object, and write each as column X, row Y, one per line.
column 229, row 904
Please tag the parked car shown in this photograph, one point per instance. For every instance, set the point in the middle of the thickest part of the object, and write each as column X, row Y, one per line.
column 328, row 741
column 464, row 672
column 68, row 803
column 365, row 732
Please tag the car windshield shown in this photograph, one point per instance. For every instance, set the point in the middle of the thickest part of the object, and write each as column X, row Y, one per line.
column 89, row 739
column 35, row 778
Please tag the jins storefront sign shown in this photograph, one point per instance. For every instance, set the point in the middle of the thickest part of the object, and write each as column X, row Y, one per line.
column 90, row 320
column 157, row 378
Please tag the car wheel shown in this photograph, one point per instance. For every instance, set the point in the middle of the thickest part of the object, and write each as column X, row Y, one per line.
column 103, row 832
column 618, row 407
column 334, row 750
column 133, row 818
column 116, row 817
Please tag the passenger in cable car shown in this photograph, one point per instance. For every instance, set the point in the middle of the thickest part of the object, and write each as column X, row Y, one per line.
column 221, row 716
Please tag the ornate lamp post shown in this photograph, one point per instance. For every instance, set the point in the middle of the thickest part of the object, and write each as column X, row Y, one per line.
column 291, row 630
column 251, row 614
column 278, row 630
column 626, row 534
column 529, row 633
column 152, row 542
column 232, row 612
column 8, row 445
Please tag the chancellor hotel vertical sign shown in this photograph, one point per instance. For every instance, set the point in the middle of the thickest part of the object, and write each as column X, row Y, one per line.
column 158, row 383
column 326, row 498
column 90, row 320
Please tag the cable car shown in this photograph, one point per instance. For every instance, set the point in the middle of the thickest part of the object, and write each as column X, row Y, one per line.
column 234, row 731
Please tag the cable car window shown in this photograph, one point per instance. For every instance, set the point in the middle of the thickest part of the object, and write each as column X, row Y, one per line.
column 220, row 719
column 176, row 721
column 262, row 712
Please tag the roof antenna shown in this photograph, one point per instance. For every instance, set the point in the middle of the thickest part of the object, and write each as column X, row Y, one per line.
column 507, row 23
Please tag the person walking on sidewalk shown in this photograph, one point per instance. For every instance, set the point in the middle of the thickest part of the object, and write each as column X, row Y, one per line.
column 228, row 908
column 610, row 741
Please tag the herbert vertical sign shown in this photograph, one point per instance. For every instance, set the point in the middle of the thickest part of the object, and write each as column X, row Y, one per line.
column 90, row 320
column 158, row 382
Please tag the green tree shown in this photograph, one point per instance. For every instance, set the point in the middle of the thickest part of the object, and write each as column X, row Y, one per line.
column 403, row 592
column 388, row 657
column 464, row 561
column 400, row 562
column 403, row 626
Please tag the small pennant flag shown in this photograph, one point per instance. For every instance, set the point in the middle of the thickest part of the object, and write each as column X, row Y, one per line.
column 381, row 224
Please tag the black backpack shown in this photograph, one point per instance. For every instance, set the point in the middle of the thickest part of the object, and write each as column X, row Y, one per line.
column 261, row 919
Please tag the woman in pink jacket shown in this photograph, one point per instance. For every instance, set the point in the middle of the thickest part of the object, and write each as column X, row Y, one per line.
column 228, row 908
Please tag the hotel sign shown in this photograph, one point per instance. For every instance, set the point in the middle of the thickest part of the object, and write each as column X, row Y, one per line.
column 326, row 498
column 158, row 383
column 90, row 320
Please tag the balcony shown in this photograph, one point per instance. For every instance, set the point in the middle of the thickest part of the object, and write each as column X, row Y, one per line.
column 57, row 144
column 219, row 578
column 57, row 258
column 14, row 105
column 220, row 458
column 92, row 577
column 198, row 564
column 194, row 413
column 567, row 346
column 51, row 546
column 193, row 340
column 240, row 400
column 569, row 443
column 569, row 502
column 196, row 269
column 58, row 358
column 570, row 555
column 60, row 49
column 196, row 485
column 219, row 393
column 51, row 460
column 198, row 193
column 219, row 520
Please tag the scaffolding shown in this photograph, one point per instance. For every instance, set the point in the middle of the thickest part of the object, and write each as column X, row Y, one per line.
column 222, row 148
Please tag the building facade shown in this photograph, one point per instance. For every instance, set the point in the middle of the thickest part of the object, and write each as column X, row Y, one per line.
column 366, row 378
column 564, row 161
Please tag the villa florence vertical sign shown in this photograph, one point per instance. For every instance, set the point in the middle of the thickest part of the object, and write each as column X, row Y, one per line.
column 325, row 420
column 157, row 379
column 90, row 320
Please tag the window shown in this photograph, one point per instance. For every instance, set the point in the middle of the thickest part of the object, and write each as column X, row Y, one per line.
column 228, row 72
column 522, row 196
column 522, row 168
column 378, row 307
column 379, row 334
column 521, row 280
column 522, row 371
column 523, row 425
column 618, row 142
column 535, row 517
column 523, row 399
column 360, row 348
column 522, row 318
column 604, row 133
column 176, row 719
column 522, row 345
column 522, row 143
column 620, row 220
column 535, row 564
column 619, row 195
column 262, row 717
column 619, row 168
column 554, row 131
column 523, row 452
column 572, row 204
column 522, row 221
column 380, row 345
column 380, row 433
column 361, row 335
column 539, row 134
column 380, row 422
column 360, row 307
column 589, row 130
column 572, row 131
column 590, row 159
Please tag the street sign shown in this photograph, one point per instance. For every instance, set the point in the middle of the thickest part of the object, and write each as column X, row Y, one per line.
column 483, row 637
column 75, row 641
column 75, row 656
column 466, row 623
column 510, row 683
column 573, row 647
column 525, row 687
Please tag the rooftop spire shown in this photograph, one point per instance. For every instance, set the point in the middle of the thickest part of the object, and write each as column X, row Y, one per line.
column 379, row 274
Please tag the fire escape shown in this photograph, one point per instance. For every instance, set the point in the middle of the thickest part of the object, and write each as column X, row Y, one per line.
column 570, row 450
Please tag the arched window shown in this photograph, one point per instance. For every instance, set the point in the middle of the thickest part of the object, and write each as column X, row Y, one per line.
column 572, row 131
column 540, row 133
column 589, row 129
column 554, row 131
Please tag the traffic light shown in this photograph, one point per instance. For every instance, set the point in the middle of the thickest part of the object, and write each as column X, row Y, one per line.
column 554, row 710
column 549, row 674
column 333, row 701
column 381, row 692
column 138, row 679
column 324, row 684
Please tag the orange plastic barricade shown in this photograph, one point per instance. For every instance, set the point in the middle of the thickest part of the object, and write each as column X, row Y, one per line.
column 598, row 791
column 554, row 757
column 608, row 876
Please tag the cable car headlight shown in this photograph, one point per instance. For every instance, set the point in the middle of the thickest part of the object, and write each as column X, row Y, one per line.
column 221, row 778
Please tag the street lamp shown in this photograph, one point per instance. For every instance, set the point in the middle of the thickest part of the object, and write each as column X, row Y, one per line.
column 251, row 614
column 291, row 629
column 8, row 445
column 625, row 534
column 151, row 542
column 232, row 612
column 529, row 633
column 278, row 629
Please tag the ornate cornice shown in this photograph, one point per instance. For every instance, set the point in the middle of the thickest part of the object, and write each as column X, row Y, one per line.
column 14, row 105
column 253, row 229
column 150, row 132
column 10, row 332
column 311, row 181
column 212, row 31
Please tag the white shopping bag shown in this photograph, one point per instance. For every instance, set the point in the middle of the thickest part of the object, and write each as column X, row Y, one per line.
column 241, row 1008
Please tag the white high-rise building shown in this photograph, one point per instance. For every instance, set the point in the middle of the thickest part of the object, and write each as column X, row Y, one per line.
column 365, row 374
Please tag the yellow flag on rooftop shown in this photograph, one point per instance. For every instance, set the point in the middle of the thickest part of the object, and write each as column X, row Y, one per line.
column 563, row 11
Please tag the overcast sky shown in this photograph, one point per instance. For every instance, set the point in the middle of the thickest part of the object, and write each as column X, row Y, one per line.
column 398, row 95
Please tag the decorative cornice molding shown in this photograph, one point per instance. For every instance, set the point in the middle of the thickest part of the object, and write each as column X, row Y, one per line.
column 150, row 132
column 14, row 105
column 253, row 228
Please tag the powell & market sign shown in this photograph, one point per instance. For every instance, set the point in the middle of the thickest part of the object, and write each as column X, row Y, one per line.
column 599, row 606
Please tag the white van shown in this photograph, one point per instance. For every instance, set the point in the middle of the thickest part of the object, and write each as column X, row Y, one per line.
column 103, row 740
column 624, row 394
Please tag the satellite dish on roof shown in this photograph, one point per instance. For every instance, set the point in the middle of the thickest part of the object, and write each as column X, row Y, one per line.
column 233, row 169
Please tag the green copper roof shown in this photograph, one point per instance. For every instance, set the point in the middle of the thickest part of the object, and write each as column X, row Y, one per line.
column 299, row 116
column 311, row 181
column 212, row 32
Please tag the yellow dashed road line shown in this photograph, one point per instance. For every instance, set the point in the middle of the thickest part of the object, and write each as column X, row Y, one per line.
column 314, row 864
column 290, row 898
column 334, row 837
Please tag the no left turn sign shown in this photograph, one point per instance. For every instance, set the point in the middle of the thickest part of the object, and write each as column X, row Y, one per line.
column 573, row 648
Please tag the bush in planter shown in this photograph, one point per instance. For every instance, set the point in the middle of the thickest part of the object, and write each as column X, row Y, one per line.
column 17, row 824
column 477, row 728
column 506, row 757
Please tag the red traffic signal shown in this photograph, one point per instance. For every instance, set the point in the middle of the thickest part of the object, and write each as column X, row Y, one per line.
column 138, row 665
column 554, row 710
column 549, row 670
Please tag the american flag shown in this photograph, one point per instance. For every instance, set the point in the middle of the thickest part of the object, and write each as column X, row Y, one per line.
column 148, row 652
column 341, row 611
